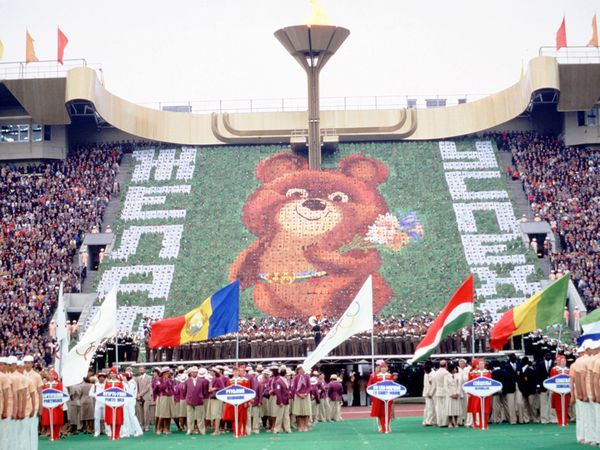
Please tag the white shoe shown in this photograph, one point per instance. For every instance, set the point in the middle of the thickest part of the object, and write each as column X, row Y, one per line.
column 188, row 432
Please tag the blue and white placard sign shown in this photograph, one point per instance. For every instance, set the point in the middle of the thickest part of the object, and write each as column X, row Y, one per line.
column 560, row 384
column 386, row 390
column 53, row 398
column 482, row 387
column 236, row 395
column 113, row 397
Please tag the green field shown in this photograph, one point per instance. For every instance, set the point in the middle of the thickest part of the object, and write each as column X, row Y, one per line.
column 407, row 433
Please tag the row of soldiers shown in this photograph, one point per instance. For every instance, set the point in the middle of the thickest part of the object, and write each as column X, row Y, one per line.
column 523, row 398
column 261, row 345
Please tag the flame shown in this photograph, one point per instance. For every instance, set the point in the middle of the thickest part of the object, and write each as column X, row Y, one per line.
column 318, row 16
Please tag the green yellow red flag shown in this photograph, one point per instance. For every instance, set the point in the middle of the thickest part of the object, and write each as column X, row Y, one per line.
column 542, row 309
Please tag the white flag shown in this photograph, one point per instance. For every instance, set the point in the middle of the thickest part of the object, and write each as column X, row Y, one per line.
column 357, row 318
column 62, row 337
column 103, row 326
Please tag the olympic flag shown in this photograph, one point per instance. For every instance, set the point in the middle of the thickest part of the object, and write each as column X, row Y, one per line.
column 357, row 319
column 104, row 325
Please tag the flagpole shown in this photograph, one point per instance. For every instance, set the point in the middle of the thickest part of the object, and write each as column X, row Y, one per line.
column 372, row 351
column 237, row 348
column 473, row 325
column 559, row 333
column 61, row 323
column 237, row 336
column 473, row 338
column 117, row 351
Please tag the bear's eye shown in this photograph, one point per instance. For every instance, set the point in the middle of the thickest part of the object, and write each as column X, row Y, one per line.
column 338, row 197
column 297, row 192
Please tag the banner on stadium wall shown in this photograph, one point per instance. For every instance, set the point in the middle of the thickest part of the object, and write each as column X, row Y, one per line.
column 482, row 387
column 53, row 398
column 236, row 395
column 386, row 390
column 113, row 397
column 559, row 384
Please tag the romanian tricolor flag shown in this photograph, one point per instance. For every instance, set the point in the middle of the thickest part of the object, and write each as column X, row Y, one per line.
column 540, row 310
column 217, row 315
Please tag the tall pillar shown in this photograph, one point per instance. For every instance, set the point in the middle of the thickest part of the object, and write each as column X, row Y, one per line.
column 312, row 46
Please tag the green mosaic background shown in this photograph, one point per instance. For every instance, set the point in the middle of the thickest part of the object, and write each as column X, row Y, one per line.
column 423, row 275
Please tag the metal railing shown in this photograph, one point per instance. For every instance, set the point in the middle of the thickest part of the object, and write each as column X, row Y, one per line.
column 51, row 69
column 573, row 55
column 43, row 69
column 327, row 103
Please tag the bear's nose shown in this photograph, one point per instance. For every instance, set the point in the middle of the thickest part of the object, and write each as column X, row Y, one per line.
column 314, row 204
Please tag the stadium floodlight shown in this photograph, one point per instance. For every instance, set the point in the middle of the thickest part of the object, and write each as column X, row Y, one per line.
column 312, row 46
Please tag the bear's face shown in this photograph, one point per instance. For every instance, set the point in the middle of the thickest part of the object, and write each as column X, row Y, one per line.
column 307, row 204
column 308, row 215
column 315, row 203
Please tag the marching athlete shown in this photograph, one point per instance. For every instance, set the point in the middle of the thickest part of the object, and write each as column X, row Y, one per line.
column 58, row 418
column 242, row 410
column 555, row 399
column 114, row 416
column 480, row 418
column 378, row 406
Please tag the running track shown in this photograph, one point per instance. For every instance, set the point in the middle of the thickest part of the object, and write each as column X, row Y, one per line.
column 401, row 410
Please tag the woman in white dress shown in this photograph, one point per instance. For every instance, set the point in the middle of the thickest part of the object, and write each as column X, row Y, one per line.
column 131, row 425
column 453, row 401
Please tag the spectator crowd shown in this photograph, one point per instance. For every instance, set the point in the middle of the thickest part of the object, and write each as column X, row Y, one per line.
column 562, row 185
column 45, row 211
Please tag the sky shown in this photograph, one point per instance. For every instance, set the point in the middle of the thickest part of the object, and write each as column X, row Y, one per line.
column 175, row 50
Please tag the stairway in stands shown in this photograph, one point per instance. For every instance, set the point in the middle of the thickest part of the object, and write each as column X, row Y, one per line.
column 110, row 214
column 522, row 204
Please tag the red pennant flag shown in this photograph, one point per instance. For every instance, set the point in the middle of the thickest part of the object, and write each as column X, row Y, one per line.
column 561, row 35
column 29, row 50
column 62, row 43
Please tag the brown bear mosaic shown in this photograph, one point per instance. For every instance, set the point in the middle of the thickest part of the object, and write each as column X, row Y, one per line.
column 307, row 222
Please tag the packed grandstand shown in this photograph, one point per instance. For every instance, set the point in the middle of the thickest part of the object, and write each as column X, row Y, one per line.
column 48, row 207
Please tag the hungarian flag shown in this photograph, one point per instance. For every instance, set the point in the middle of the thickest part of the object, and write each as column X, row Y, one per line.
column 217, row 315
column 457, row 314
column 62, row 43
column 561, row 35
column 29, row 49
column 543, row 308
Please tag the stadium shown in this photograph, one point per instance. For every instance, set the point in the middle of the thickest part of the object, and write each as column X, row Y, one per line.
column 300, row 201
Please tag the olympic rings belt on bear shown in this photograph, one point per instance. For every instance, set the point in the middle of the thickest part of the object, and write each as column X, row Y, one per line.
column 290, row 277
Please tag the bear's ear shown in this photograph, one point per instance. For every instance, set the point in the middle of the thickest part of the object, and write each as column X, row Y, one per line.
column 366, row 169
column 278, row 165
